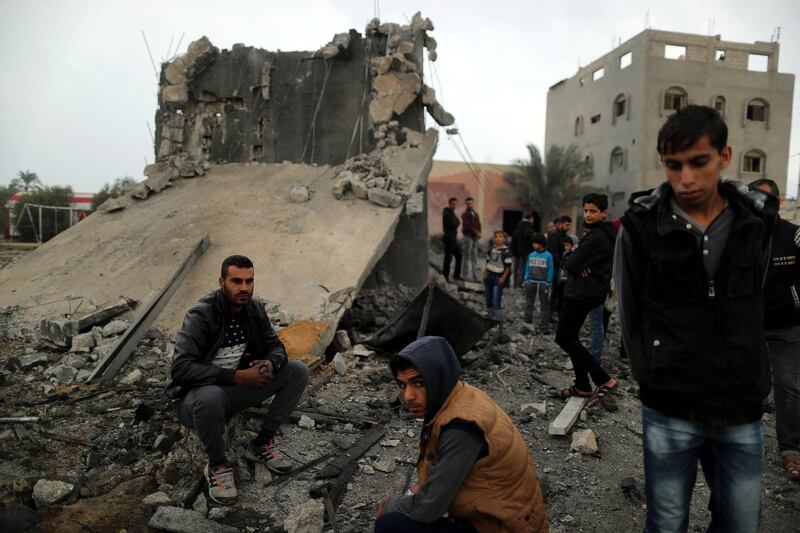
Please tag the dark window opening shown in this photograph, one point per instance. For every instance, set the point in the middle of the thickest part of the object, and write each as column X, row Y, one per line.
column 674, row 99
column 757, row 111
column 595, row 119
column 754, row 162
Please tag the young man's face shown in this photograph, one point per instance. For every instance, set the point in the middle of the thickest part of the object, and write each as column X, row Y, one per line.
column 412, row 389
column 237, row 285
column 694, row 173
column 592, row 213
column 452, row 204
column 469, row 203
column 499, row 239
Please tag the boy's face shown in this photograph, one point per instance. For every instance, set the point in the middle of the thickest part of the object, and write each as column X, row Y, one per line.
column 412, row 389
column 538, row 246
column 499, row 239
column 694, row 173
column 568, row 246
column 592, row 213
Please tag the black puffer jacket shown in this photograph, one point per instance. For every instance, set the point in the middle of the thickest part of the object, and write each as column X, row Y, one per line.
column 201, row 335
column 595, row 252
column 782, row 290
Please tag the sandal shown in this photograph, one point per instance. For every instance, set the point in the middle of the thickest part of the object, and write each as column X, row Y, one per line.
column 792, row 465
column 574, row 391
column 601, row 392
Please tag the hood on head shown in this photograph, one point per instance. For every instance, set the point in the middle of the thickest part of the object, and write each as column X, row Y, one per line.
column 435, row 359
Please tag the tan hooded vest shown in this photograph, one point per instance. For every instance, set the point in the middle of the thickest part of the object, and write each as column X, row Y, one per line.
column 501, row 493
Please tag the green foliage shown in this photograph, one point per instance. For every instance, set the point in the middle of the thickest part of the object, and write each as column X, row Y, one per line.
column 111, row 190
column 550, row 185
column 27, row 181
column 52, row 221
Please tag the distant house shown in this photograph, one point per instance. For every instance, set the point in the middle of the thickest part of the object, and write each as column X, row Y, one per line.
column 449, row 179
column 80, row 207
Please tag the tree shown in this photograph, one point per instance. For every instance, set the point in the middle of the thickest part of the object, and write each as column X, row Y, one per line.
column 27, row 181
column 549, row 185
column 53, row 221
column 110, row 190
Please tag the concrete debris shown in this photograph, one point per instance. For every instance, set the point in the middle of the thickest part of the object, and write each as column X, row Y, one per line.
column 179, row 520
column 62, row 373
column 584, row 441
column 113, row 205
column 366, row 176
column 218, row 513
column 299, row 194
column 83, row 343
column 367, row 469
column 384, row 198
column 115, row 327
column 415, row 204
column 135, row 376
column 308, row 517
column 442, row 117
column 26, row 362
column 340, row 364
column 47, row 492
column 393, row 92
column 385, row 464
column 306, row 422
column 341, row 341
column 413, row 137
column 390, row 443
column 200, row 504
column 537, row 408
column 359, row 350
column 157, row 498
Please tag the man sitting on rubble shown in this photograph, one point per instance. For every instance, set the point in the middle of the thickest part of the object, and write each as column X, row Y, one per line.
column 473, row 463
column 228, row 358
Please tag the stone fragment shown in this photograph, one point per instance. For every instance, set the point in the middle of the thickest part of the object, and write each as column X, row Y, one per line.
column 140, row 191
column 262, row 475
column 442, row 117
column 59, row 332
column 428, row 95
column 419, row 24
column 175, row 73
column 329, row 51
column 306, row 422
column 83, row 343
column 413, row 138
column 359, row 189
column 584, row 442
column 385, row 464
column 299, row 194
column 218, row 513
column 157, row 498
column 308, row 517
column 26, row 362
column 384, row 198
column 343, row 442
column 366, row 469
column 394, row 92
column 430, row 44
column 538, row 408
column 63, row 373
column 340, row 364
column 415, row 204
column 132, row 378
column 175, row 94
column 342, row 41
column 390, row 443
column 115, row 204
column 341, row 187
column 47, row 492
column 200, row 504
column 359, row 350
column 405, row 47
column 341, row 341
column 179, row 520
column 382, row 64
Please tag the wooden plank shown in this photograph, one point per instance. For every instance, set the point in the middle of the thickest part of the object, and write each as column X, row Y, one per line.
column 567, row 417
column 350, row 456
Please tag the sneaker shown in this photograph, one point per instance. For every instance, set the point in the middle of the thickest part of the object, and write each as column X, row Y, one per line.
column 269, row 455
column 221, row 484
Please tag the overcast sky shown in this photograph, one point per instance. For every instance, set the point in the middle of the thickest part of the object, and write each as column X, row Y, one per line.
column 78, row 89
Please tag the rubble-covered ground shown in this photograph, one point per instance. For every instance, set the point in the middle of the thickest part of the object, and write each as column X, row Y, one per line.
column 107, row 458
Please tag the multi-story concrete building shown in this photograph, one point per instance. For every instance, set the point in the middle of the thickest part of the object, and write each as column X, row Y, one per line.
column 613, row 108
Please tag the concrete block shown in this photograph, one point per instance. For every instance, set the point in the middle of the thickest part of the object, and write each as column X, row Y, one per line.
column 134, row 377
column 537, row 408
column 584, row 441
column 175, row 73
column 62, row 373
column 115, row 327
column 83, row 342
column 175, row 94
column 415, row 204
column 201, row 504
column 359, row 188
column 308, row 517
column 157, row 498
column 47, row 492
column 179, row 520
column 306, row 422
column 59, row 332
column 341, row 341
column 442, row 117
column 359, row 350
column 384, row 198
column 340, row 364
column 115, row 204
column 385, row 464
column 299, row 194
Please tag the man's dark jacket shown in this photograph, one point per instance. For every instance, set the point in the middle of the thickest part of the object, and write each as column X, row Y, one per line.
column 450, row 222
column 201, row 335
column 471, row 223
column 782, row 289
column 555, row 245
column 595, row 252
column 700, row 352
column 522, row 239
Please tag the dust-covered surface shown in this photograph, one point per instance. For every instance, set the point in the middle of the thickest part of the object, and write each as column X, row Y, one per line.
column 121, row 444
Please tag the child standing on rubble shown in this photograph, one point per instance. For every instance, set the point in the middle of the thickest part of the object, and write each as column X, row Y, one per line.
column 538, row 281
column 496, row 272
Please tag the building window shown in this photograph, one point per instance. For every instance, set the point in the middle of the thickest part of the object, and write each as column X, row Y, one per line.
column 757, row 110
column 754, row 162
column 757, row 62
column 625, row 60
column 675, row 98
column 620, row 108
column 597, row 74
column 719, row 55
column 617, row 161
column 719, row 104
column 674, row 51
column 589, row 168
column 578, row 126
column 581, row 82
column 595, row 119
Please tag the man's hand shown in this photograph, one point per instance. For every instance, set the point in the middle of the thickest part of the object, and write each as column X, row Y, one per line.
column 381, row 505
column 585, row 272
column 258, row 375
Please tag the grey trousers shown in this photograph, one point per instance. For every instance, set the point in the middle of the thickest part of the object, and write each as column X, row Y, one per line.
column 784, row 352
column 542, row 291
column 469, row 267
column 206, row 409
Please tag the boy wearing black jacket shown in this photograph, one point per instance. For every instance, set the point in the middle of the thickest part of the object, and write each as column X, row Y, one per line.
column 589, row 269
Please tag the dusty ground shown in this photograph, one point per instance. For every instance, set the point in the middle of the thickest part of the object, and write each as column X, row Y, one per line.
column 113, row 462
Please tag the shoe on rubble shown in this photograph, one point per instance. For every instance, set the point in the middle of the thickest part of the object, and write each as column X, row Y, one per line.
column 269, row 455
column 221, row 484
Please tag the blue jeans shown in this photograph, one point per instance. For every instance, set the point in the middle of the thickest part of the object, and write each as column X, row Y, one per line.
column 784, row 351
column 732, row 460
column 494, row 293
column 598, row 333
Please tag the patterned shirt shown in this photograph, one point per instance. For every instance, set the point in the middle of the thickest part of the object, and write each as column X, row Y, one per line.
column 498, row 259
column 233, row 345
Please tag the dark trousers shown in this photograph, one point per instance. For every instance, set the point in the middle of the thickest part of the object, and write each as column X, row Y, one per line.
column 519, row 270
column 207, row 408
column 400, row 523
column 570, row 319
column 556, row 296
column 451, row 249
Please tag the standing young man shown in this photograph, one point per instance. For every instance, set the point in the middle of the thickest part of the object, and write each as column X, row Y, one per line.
column 228, row 358
column 782, row 325
column 471, row 229
column 450, row 225
column 690, row 263
column 555, row 245
column 521, row 247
